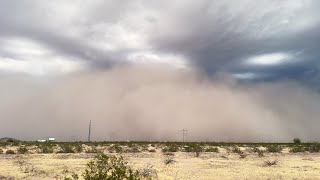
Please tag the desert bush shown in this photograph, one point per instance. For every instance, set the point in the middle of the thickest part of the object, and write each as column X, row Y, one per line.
column 78, row 148
column 92, row 150
column 1, row 151
column 115, row 148
column 236, row 149
column 10, row 151
column 66, row 148
column 133, row 149
column 270, row 162
column 148, row 172
column 196, row 148
column 296, row 141
column 22, row 150
column 170, row 148
column 296, row 149
column 104, row 167
column 152, row 150
column 274, row 148
column 257, row 150
column 212, row 149
column 314, row 148
column 169, row 160
column 45, row 148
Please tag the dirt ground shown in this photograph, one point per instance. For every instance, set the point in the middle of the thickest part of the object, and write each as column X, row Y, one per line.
column 209, row 165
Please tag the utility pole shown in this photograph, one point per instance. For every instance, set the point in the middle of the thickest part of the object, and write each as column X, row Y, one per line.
column 184, row 135
column 89, row 131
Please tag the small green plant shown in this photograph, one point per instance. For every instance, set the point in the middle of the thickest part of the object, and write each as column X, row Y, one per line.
column 65, row 148
column 212, row 149
column 104, row 167
column 296, row 149
column 296, row 141
column 10, row 151
column 22, row 150
column 196, row 148
column 115, row 149
column 274, row 149
column 314, row 148
column 45, row 148
column 170, row 148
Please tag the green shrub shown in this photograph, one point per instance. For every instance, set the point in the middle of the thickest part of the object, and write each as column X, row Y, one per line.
column 65, row 148
column 104, row 167
column 45, row 148
column 274, row 149
column 170, row 148
column 1, row 151
column 10, row 151
column 296, row 149
column 236, row 149
column 314, row 148
column 115, row 148
column 212, row 149
column 22, row 150
column 133, row 149
column 196, row 148
column 296, row 141
column 92, row 150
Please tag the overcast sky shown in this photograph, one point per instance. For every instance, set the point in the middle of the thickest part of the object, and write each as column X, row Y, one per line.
column 108, row 61
column 248, row 40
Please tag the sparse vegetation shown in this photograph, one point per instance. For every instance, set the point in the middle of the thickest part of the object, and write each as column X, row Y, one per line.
column 22, row 150
column 170, row 148
column 105, row 167
column 270, row 162
column 257, row 150
column 313, row 148
column 274, row 148
column 296, row 149
column 66, row 148
column 212, row 149
column 45, row 148
column 169, row 160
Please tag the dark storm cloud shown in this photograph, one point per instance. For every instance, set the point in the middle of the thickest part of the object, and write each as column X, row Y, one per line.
column 213, row 36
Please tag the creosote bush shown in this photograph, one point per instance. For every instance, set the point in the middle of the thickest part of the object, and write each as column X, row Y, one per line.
column 45, row 148
column 170, row 148
column 65, row 148
column 212, row 149
column 274, row 149
column 104, row 167
column 10, row 151
column 296, row 149
column 314, row 148
column 22, row 150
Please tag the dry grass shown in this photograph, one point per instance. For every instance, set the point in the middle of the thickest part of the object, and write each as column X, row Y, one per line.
column 210, row 165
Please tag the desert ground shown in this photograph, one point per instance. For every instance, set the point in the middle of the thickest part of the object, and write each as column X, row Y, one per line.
column 164, row 161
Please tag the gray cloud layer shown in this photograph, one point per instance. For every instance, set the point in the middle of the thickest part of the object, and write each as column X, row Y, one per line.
column 214, row 36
